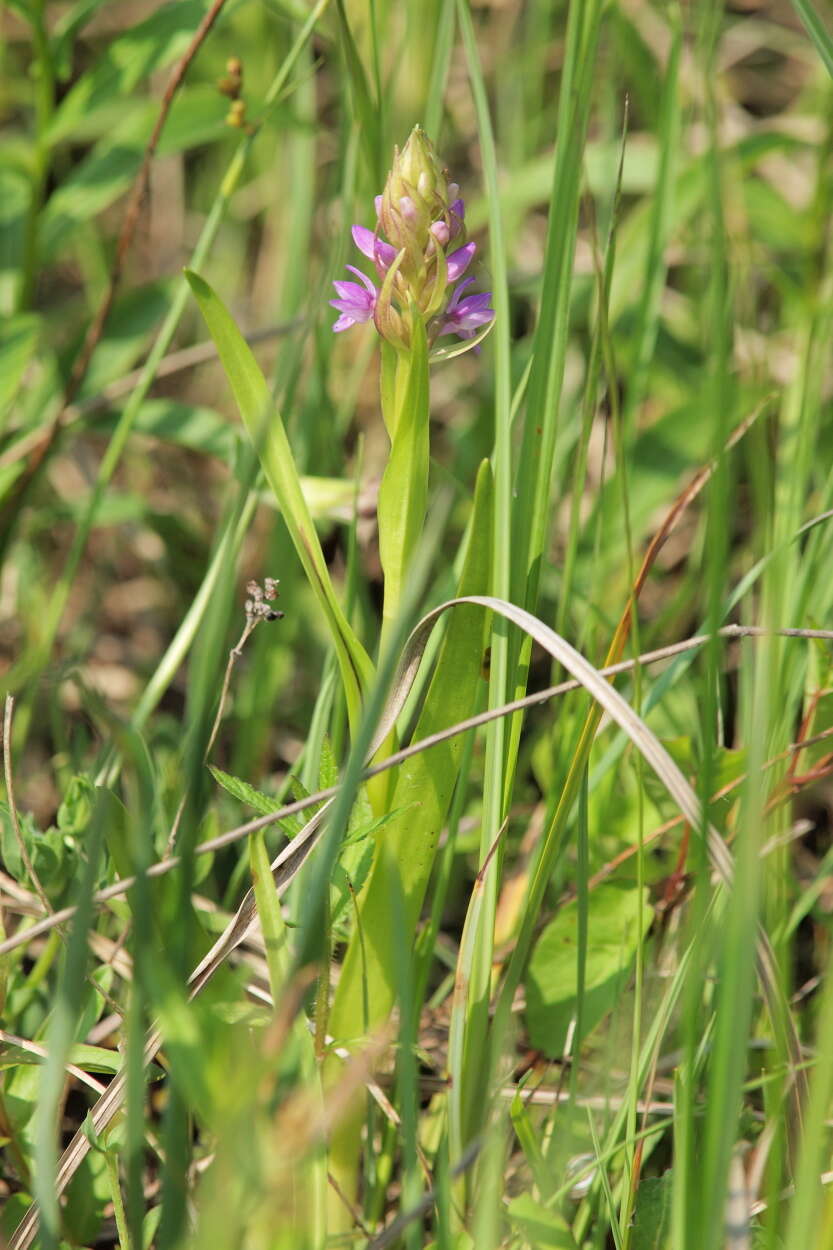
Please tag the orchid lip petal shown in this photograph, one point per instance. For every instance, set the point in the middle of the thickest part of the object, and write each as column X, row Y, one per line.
column 344, row 322
column 356, row 303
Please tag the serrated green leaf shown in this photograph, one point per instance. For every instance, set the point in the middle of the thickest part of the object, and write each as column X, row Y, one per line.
column 263, row 804
column 356, row 858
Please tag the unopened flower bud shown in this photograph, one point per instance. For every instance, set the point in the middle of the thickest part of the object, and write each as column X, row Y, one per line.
column 416, row 194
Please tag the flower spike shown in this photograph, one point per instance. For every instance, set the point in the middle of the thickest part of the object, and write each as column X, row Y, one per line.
column 421, row 258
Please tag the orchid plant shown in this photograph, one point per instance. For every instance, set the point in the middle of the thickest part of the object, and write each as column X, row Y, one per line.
column 420, row 254
column 419, row 294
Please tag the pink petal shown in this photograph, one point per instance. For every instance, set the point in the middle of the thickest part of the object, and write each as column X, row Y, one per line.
column 459, row 261
column 364, row 240
column 385, row 254
column 344, row 323
column 458, row 291
column 364, row 279
column 351, row 291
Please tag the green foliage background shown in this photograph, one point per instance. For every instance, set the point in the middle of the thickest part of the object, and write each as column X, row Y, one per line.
column 579, row 1052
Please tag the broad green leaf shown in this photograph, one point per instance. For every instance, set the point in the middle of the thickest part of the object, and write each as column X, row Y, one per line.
column 652, row 1213
column 672, row 446
column 356, row 858
column 266, row 430
column 67, row 28
column 329, row 498
column 116, row 833
column 98, row 1059
column 86, row 1198
column 690, row 190
column 613, row 923
column 94, row 186
column 542, row 1228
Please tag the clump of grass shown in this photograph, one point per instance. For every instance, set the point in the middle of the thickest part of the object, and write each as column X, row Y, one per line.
column 404, row 918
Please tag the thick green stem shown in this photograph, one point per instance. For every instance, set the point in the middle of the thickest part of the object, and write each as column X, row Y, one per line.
column 403, row 494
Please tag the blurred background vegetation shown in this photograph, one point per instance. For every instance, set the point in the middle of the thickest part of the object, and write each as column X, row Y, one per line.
column 132, row 517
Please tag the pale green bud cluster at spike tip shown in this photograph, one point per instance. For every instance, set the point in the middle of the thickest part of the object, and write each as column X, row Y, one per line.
column 420, row 254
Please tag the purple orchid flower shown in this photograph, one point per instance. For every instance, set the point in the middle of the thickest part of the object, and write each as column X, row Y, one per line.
column 356, row 304
column 464, row 317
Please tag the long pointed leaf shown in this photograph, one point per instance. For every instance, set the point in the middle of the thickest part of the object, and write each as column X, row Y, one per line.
column 268, row 434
